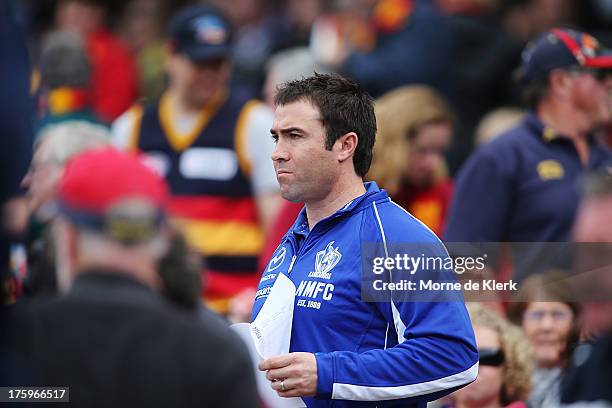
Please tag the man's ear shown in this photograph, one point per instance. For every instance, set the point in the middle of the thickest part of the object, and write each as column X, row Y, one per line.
column 345, row 146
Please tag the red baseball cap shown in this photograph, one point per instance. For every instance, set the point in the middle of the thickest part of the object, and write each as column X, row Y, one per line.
column 115, row 192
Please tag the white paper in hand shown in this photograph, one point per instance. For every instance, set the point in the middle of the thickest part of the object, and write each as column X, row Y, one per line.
column 270, row 335
column 271, row 329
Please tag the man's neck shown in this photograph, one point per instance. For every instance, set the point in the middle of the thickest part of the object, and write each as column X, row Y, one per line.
column 338, row 197
column 181, row 105
column 564, row 121
column 143, row 272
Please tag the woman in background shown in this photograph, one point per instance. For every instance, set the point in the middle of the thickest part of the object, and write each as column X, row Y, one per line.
column 504, row 373
column 544, row 306
column 415, row 127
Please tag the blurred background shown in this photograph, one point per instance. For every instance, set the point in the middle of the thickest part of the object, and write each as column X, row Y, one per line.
column 444, row 76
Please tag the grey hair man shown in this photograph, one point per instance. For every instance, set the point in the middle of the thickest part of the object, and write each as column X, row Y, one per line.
column 53, row 147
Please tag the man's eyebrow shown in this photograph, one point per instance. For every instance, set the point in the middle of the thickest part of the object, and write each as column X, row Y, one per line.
column 287, row 130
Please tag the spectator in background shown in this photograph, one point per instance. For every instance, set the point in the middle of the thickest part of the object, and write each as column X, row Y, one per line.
column 504, row 372
column 521, row 187
column 413, row 45
column 54, row 146
column 179, row 269
column 111, row 338
column 484, row 58
column 260, row 31
column 546, row 307
column 142, row 28
column 66, row 80
column 298, row 17
column 214, row 149
column 593, row 236
column 524, row 20
column 415, row 127
column 589, row 378
column 114, row 83
column 497, row 122
column 255, row 37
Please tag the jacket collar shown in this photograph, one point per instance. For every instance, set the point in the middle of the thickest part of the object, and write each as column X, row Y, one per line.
column 547, row 133
column 373, row 194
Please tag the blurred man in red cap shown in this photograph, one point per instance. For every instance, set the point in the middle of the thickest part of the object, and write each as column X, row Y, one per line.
column 111, row 338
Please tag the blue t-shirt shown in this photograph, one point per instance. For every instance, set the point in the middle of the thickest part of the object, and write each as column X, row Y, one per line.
column 521, row 187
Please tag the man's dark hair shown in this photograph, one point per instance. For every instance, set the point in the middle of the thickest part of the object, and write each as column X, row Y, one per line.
column 180, row 270
column 533, row 93
column 344, row 107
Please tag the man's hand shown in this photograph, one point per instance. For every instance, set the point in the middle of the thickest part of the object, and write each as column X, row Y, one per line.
column 297, row 372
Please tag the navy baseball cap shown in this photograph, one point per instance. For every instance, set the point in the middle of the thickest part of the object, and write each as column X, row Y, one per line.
column 561, row 48
column 201, row 33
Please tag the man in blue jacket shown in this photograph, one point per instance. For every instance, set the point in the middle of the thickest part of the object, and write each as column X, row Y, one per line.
column 367, row 354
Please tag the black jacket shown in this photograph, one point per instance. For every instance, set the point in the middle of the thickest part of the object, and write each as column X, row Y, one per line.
column 116, row 343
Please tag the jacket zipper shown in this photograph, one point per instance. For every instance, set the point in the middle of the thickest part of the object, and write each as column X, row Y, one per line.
column 291, row 264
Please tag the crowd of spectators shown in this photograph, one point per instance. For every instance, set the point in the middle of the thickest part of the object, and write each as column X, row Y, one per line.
column 494, row 126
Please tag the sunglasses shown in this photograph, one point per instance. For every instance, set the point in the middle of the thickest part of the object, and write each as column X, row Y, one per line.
column 490, row 357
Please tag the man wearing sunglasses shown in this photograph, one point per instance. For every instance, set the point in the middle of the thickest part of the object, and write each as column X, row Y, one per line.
column 523, row 184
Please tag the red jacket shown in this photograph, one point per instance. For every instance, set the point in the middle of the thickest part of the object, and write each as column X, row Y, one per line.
column 114, row 80
column 430, row 205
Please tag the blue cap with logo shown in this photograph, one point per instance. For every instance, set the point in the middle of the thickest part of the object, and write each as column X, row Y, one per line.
column 201, row 33
column 561, row 48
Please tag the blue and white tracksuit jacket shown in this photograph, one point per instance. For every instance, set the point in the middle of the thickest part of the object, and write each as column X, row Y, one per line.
column 377, row 354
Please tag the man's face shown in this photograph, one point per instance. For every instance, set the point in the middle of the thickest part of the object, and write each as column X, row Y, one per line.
column 592, row 96
column 593, row 220
column 426, row 153
column 42, row 179
column 197, row 82
column 305, row 170
column 81, row 18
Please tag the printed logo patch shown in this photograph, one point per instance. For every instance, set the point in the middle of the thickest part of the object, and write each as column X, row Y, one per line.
column 210, row 30
column 327, row 259
column 550, row 170
column 277, row 260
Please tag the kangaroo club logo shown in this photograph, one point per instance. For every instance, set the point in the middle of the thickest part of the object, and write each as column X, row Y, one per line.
column 277, row 260
column 327, row 259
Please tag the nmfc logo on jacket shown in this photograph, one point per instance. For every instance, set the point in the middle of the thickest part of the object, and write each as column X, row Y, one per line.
column 325, row 261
